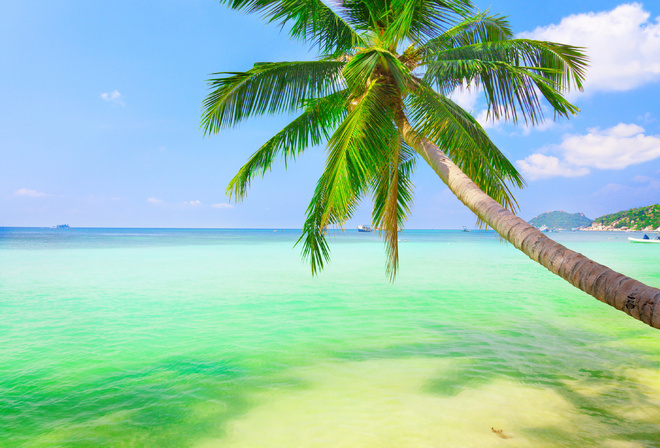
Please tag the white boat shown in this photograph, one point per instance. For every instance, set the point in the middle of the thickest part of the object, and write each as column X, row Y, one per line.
column 642, row 240
column 365, row 228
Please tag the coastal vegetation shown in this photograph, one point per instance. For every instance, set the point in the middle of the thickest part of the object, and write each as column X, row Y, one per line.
column 642, row 218
column 379, row 96
column 560, row 220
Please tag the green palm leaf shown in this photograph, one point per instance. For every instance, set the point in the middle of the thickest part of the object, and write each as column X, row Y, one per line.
column 480, row 27
column 360, row 70
column 419, row 20
column 512, row 73
column 465, row 142
column 396, row 20
column 392, row 194
column 375, row 64
column 312, row 127
column 267, row 88
column 356, row 149
column 311, row 21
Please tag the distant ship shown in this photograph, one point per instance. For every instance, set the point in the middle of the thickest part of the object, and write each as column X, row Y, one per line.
column 465, row 229
column 365, row 228
column 63, row 226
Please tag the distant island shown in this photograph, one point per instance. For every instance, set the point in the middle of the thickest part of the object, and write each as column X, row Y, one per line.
column 558, row 220
column 640, row 219
column 636, row 219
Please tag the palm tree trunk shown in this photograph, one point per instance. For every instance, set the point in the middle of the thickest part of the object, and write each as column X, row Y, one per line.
column 623, row 293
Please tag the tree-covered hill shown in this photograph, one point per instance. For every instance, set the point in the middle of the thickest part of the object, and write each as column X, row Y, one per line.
column 643, row 218
column 560, row 220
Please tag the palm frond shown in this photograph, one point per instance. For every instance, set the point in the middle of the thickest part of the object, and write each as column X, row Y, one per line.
column 368, row 66
column 360, row 70
column 267, row 88
column 398, row 71
column 312, row 127
column 357, row 147
column 465, row 142
column 397, row 20
column 512, row 74
column 480, row 27
column 405, row 22
column 366, row 15
column 311, row 21
column 392, row 194
column 420, row 20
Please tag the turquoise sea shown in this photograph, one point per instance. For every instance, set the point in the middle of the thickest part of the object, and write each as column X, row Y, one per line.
column 222, row 338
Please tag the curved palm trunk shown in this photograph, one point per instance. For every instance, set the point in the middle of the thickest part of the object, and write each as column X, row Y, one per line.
column 623, row 293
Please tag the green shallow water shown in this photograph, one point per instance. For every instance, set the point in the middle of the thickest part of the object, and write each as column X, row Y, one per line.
column 221, row 338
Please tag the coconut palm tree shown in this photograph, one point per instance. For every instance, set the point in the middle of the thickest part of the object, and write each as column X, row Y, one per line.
column 378, row 96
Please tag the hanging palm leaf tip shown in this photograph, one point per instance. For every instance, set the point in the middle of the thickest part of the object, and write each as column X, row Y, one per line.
column 386, row 66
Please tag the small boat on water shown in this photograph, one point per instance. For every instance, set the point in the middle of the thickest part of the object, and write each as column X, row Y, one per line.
column 465, row 229
column 642, row 240
column 365, row 228
column 63, row 226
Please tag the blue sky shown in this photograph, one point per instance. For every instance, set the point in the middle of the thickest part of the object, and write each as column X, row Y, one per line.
column 101, row 103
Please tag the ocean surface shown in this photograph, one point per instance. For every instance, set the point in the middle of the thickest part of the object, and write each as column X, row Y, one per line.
column 222, row 338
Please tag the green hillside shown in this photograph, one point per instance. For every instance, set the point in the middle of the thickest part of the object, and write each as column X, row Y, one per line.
column 635, row 218
column 560, row 220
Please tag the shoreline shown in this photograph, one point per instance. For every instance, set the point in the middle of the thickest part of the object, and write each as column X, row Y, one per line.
column 611, row 229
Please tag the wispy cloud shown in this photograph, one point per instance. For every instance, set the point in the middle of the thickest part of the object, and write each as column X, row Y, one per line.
column 222, row 205
column 623, row 46
column 540, row 166
column 155, row 201
column 614, row 148
column 647, row 182
column 466, row 96
column 196, row 203
column 643, row 187
column 113, row 97
column 30, row 193
column 647, row 118
column 488, row 122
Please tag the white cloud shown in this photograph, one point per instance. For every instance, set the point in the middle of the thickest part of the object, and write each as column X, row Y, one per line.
column 610, row 149
column 648, row 182
column 540, row 166
column 645, row 189
column 193, row 203
column 647, row 118
column 642, row 179
column 520, row 128
column 113, row 97
column 488, row 122
column 30, row 193
column 613, row 188
column 155, row 201
column 466, row 96
column 222, row 205
column 623, row 46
